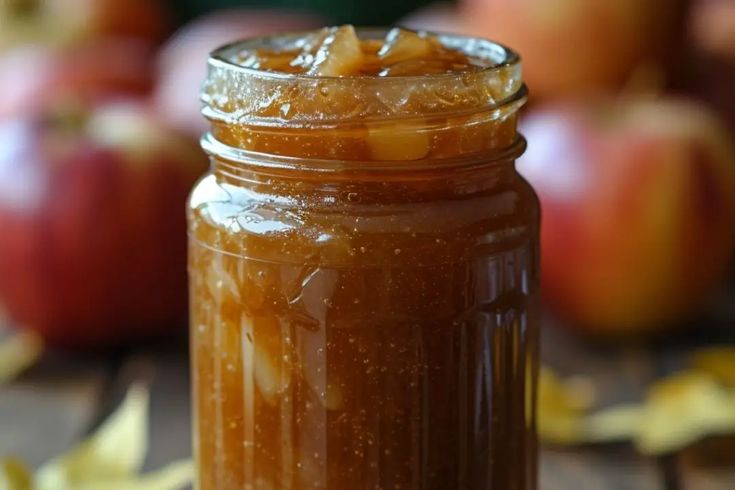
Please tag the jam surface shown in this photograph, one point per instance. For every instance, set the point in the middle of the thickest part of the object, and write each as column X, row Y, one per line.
column 337, row 51
column 359, row 328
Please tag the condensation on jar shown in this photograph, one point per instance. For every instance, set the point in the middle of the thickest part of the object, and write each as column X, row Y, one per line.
column 364, row 279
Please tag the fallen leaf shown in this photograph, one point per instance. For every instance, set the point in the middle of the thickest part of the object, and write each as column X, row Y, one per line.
column 116, row 451
column 716, row 361
column 616, row 423
column 677, row 411
column 110, row 459
column 683, row 409
column 17, row 353
column 172, row 477
column 575, row 393
column 561, row 407
column 15, row 475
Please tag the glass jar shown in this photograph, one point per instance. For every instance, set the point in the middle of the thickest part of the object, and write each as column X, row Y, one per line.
column 364, row 280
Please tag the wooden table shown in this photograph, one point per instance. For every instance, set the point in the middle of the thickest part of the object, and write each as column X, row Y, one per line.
column 63, row 398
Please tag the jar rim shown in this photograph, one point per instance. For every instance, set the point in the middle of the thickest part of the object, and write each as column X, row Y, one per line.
column 504, row 56
column 236, row 94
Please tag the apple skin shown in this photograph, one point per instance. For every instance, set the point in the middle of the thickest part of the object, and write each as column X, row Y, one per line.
column 68, row 22
column 182, row 64
column 712, row 26
column 638, row 210
column 574, row 46
column 34, row 77
column 93, row 248
column 709, row 73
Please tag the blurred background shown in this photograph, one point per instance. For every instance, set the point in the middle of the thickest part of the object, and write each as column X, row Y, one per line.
column 631, row 131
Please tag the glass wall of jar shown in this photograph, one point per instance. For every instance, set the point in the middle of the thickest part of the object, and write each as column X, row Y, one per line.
column 364, row 280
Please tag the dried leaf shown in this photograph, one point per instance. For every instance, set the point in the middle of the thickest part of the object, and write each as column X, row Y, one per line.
column 175, row 476
column 575, row 394
column 115, row 452
column 560, row 428
column 15, row 475
column 18, row 353
column 108, row 460
column 613, row 424
column 678, row 410
column 718, row 362
column 561, row 407
column 683, row 409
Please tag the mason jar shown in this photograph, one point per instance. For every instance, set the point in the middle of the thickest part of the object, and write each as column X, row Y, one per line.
column 363, row 264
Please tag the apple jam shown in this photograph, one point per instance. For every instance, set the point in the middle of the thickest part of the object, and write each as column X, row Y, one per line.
column 364, row 267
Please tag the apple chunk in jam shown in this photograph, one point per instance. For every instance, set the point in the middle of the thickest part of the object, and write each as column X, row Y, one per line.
column 363, row 267
column 337, row 51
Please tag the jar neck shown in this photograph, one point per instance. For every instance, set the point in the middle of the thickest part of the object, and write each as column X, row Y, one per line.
column 416, row 139
column 328, row 180
column 365, row 118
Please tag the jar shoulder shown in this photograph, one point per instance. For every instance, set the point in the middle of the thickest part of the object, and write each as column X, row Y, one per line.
column 343, row 226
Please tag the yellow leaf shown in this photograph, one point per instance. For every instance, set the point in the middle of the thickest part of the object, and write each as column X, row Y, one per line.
column 575, row 393
column 561, row 407
column 14, row 475
column 18, row 353
column 683, row 409
column 677, row 411
column 175, row 476
column 718, row 362
column 560, row 428
column 115, row 452
column 613, row 424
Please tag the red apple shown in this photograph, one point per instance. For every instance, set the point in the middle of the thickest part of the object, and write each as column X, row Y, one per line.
column 63, row 22
column 638, row 210
column 33, row 77
column 183, row 60
column 436, row 17
column 713, row 27
column 708, row 72
column 93, row 247
column 573, row 46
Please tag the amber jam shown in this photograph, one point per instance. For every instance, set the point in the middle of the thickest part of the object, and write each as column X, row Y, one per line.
column 364, row 267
